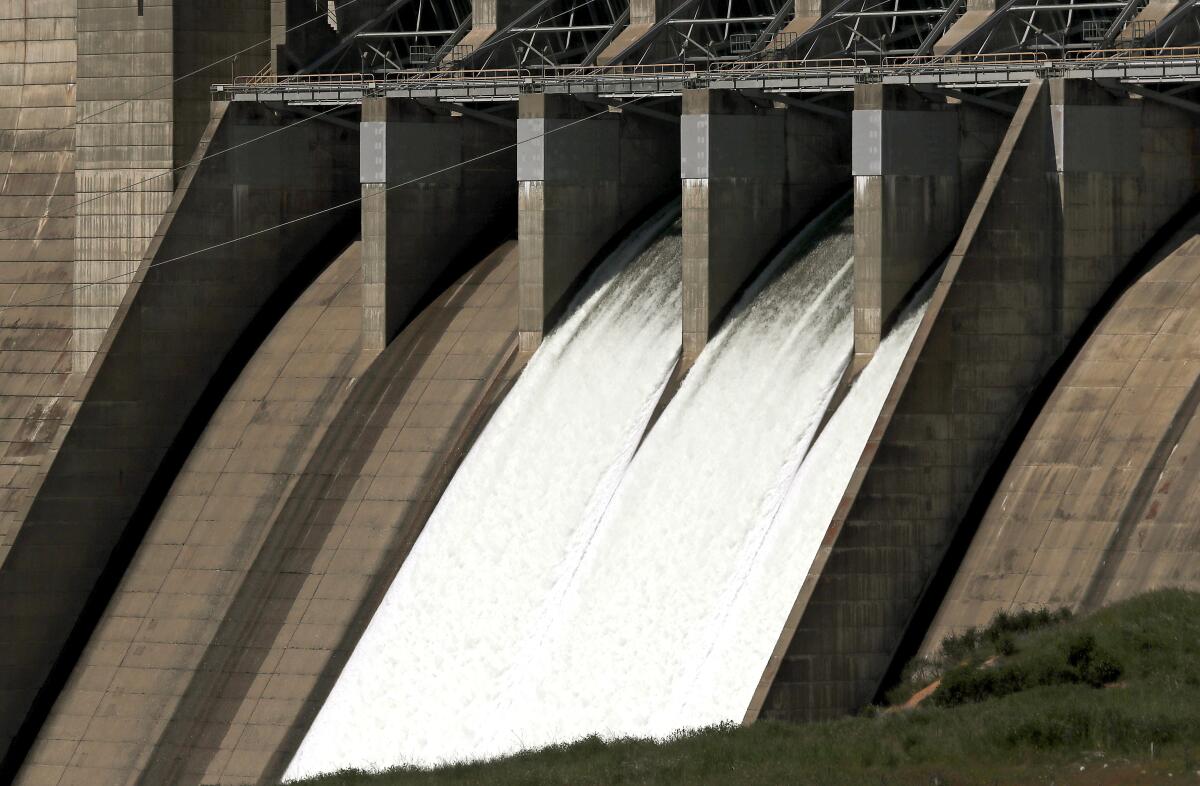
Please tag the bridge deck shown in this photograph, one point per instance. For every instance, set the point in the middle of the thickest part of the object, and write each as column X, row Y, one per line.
column 820, row 76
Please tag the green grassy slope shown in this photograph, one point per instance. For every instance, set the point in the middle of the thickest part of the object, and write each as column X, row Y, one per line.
column 1112, row 698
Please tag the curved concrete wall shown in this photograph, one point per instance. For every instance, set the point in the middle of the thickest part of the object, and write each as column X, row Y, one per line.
column 192, row 300
column 1014, row 291
column 279, row 537
column 1101, row 501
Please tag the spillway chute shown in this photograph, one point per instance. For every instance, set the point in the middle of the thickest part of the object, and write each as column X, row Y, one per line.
column 424, row 684
column 568, row 586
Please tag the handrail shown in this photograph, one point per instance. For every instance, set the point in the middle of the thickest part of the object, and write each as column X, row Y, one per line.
column 974, row 60
column 1145, row 53
column 300, row 79
column 673, row 75
column 824, row 65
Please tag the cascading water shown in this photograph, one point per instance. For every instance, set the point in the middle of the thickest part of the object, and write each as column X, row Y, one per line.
column 818, row 487
column 642, row 643
column 561, row 590
column 424, row 682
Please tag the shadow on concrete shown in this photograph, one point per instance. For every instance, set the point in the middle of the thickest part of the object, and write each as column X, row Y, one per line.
column 236, row 655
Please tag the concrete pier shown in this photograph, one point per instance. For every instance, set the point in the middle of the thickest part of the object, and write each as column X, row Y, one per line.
column 584, row 173
column 807, row 13
column 643, row 14
column 977, row 13
column 1042, row 242
column 143, row 101
column 416, row 226
column 750, row 174
column 488, row 16
column 918, row 159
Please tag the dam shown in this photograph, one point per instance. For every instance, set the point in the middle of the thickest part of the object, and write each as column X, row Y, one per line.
column 403, row 382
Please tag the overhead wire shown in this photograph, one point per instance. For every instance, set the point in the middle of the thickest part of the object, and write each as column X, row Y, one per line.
column 298, row 219
column 43, row 133
column 129, row 187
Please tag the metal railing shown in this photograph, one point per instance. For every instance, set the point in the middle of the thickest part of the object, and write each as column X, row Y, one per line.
column 842, row 65
column 1146, row 53
column 838, row 73
column 967, row 61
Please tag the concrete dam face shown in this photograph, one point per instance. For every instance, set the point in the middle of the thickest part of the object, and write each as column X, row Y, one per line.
column 381, row 393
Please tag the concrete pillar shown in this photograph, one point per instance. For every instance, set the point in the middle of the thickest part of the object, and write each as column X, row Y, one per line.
column 414, row 224
column 584, row 174
column 1106, row 213
column 977, row 13
column 643, row 14
column 750, row 175
column 807, row 13
column 1140, row 30
column 906, row 201
column 488, row 16
column 1081, row 183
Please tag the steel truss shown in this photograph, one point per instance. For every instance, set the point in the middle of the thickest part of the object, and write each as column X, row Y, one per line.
column 382, row 37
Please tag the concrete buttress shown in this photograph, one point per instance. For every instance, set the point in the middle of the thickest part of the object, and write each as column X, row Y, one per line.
column 1060, row 213
column 918, row 160
column 750, row 174
column 432, row 184
column 584, row 173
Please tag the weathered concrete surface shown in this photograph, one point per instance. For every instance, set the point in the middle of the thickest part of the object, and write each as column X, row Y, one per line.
column 37, row 229
column 583, row 173
column 1148, row 17
column 976, row 14
column 136, row 124
column 280, row 536
column 303, row 30
column 1059, row 211
column 807, row 13
column 750, row 175
column 206, row 35
column 416, row 227
column 918, row 163
column 185, row 311
column 1100, row 502
column 642, row 16
column 487, row 16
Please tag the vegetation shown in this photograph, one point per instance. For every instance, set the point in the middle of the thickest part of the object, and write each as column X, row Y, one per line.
column 1037, row 697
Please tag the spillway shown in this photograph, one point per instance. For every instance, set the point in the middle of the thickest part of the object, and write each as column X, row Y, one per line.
column 424, row 681
column 567, row 587
column 684, row 531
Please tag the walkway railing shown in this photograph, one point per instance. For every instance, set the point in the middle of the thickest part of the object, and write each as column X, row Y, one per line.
column 1179, row 63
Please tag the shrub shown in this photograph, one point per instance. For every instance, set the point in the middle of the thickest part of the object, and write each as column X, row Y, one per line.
column 1080, row 661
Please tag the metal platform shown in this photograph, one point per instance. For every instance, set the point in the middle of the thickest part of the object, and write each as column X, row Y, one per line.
column 1137, row 66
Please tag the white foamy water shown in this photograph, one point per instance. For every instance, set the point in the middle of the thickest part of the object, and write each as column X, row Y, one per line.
column 663, row 625
column 819, row 485
column 562, row 590
column 697, row 562
column 425, row 682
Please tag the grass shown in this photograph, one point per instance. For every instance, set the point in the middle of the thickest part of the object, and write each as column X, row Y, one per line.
column 1111, row 698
